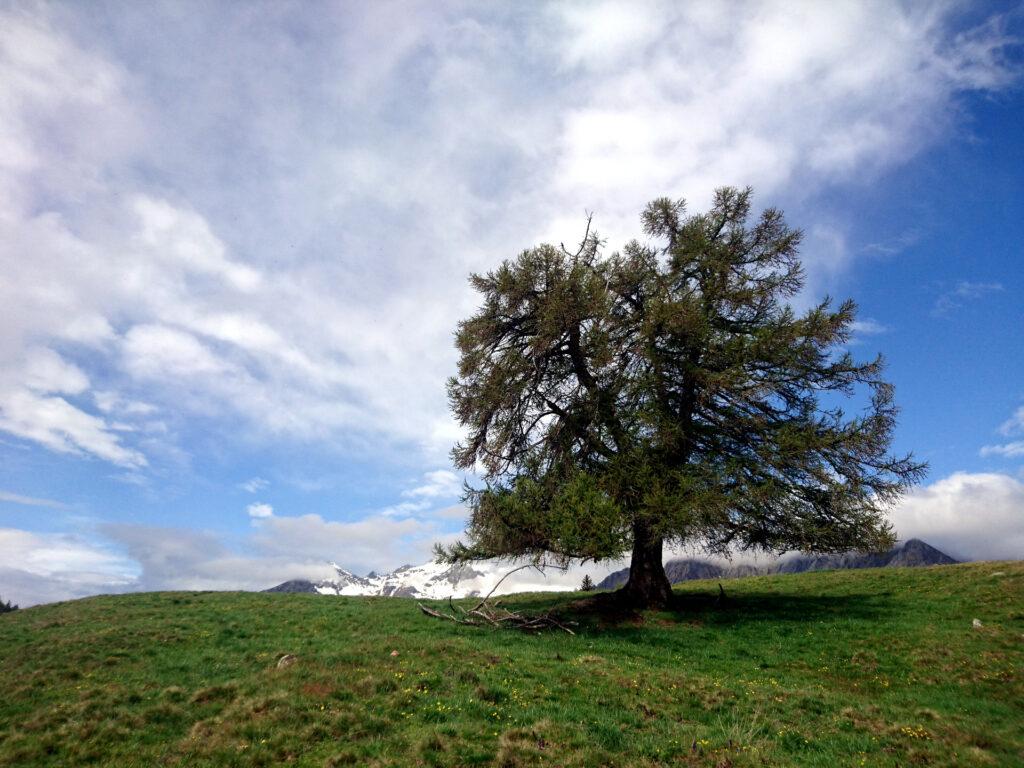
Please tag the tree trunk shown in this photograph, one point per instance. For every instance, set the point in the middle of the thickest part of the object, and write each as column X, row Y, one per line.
column 648, row 586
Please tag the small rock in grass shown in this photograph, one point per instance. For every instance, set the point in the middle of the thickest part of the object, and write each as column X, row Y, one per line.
column 976, row 624
column 999, row 573
column 394, row 653
column 286, row 661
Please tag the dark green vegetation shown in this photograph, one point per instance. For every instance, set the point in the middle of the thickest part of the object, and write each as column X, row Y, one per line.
column 7, row 607
column 669, row 394
column 848, row 668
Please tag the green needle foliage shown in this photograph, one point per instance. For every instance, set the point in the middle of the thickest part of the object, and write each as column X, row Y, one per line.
column 669, row 394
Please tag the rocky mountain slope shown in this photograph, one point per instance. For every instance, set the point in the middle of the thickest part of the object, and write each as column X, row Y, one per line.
column 912, row 553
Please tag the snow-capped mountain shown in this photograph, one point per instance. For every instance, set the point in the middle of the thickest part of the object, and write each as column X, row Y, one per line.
column 432, row 581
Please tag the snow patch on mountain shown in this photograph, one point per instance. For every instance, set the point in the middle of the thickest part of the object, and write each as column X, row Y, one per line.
column 432, row 581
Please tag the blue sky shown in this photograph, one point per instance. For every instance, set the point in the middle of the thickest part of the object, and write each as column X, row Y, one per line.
column 234, row 243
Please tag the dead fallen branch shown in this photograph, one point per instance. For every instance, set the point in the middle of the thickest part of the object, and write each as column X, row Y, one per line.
column 485, row 614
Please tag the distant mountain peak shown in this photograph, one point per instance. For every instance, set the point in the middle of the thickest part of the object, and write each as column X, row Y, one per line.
column 433, row 581
column 436, row 581
column 912, row 553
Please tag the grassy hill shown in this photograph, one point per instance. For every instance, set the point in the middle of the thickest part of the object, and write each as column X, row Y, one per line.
column 849, row 668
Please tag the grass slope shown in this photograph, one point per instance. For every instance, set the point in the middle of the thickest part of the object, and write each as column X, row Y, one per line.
column 848, row 668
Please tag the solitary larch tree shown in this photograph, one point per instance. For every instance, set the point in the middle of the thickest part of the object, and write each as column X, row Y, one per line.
column 669, row 395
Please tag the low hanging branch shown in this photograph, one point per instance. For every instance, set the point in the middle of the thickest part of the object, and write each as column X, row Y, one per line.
column 485, row 613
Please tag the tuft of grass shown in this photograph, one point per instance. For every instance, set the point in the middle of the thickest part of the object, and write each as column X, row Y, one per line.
column 849, row 668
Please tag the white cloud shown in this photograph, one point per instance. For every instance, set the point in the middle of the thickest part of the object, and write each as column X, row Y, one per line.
column 170, row 242
column 280, row 548
column 60, row 426
column 869, row 327
column 977, row 516
column 373, row 542
column 260, row 510
column 963, row 292
column 1009, row 450
column 112, row 402
column 440, row 483
column 293, row 548
column 160, row 352
column 175, row 558
column 31, row 408
column 38, row 568
column 969, row 516
column 1014, row 424
column 254, row 484
column 602, row 34
column 46, row 372
column 455, row 512
column 30, row 501
column 183, row 238
column 772, row 94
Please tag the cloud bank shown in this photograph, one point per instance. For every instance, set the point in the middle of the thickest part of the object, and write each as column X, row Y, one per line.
column 274, row 247
column 265, row 242
column 969, row 516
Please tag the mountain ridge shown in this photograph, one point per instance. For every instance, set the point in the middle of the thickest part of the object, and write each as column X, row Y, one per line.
column 911, row 554
column 435, row 581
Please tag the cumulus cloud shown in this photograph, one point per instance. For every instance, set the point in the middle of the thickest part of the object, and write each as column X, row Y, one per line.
column 187, row 253
column 260, row 510
column 176, row 558
column 39, row 568
column 298, row 547
column 43, row 568
column 692, row 96
column 172, row 254
column 371, row 543
column 279, row 548
column 970, row 516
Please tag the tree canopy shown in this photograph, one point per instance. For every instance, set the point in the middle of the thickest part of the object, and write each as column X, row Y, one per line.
column 669, row 394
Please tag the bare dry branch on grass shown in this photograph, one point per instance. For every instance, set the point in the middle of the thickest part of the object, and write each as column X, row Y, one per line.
column 486, row 613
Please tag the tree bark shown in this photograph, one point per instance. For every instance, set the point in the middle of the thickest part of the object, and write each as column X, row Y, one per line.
column 648, row 586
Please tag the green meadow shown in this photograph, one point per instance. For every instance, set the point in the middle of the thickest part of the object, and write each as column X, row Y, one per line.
column 848, row 668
